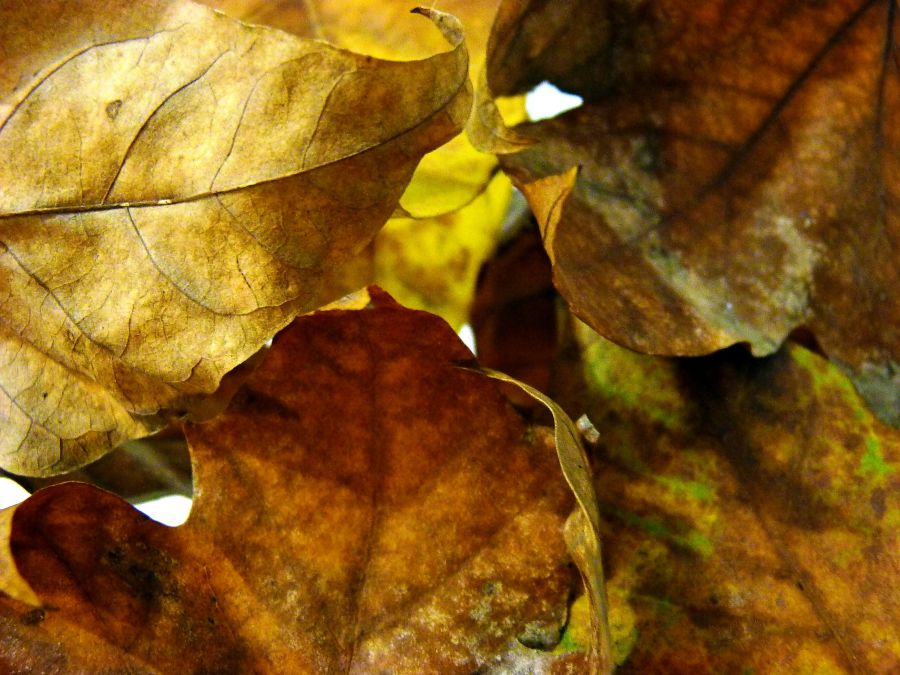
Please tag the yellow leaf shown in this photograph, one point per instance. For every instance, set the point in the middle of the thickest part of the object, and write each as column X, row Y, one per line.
column 433, row 263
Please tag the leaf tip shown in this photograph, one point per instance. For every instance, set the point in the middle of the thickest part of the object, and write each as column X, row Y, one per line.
column 449, row 25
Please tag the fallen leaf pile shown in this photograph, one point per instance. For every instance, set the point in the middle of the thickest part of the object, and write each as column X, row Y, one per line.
column 701, row 269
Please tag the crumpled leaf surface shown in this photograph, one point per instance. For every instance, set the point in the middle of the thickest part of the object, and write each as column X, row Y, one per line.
column 738, row 173
column 353, row 513
column 750, row 510
column 454, row 207
column 172, row 185
column 450, row 177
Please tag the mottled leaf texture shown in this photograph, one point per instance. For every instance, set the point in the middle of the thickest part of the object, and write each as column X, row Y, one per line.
column 353, row 512
column 173, row 185
column 751, row 514
column 739, row 174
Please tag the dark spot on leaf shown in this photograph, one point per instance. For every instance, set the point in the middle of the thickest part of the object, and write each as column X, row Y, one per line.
column 647, row 155
column 877, row 501
column 541, row 635
column 252, row 400
column 34, row 617
column 112, row 109
column 115, row 555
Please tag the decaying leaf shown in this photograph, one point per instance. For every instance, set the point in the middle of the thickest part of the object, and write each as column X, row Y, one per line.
column 354, row 512
column 738, row 173
column 381, row 29
column 751, row 520
column 172, row 185
column 452, row 211
column 583, row 528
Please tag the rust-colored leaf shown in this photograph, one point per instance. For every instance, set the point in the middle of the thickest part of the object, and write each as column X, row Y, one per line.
column 514, row 314
column 750, row 511
column 353, row 512
column 173, row 186
column 739, row 173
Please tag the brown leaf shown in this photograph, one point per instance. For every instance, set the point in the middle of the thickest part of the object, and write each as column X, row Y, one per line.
column 738, row 173
column 353, row 512
column 751, row 514
column 173, row 185
column 138, row 470
column 514, row 313
column 565, row 42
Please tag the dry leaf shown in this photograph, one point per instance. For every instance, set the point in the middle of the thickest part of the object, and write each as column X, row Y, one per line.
column 454, row 175
column 353, row 513
column 138, row 470
column 738, row 173
column 750, row 512
column 583, row 527
column 567, row 43
column 172, row 185
column 454, row 207
column 382, row 29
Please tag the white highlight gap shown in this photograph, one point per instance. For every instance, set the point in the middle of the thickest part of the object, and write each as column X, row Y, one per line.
column 546, row 101
column 467, row 335
column 170, row 510
column 11, row 493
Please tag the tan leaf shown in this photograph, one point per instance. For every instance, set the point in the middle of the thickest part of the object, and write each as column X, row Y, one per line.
column 173, row 184
column 353, row 512
column 738, row 173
